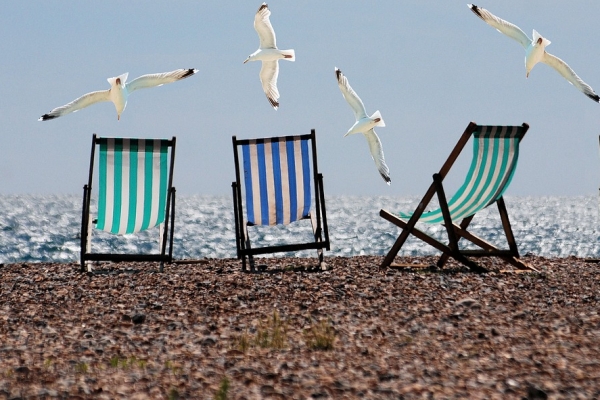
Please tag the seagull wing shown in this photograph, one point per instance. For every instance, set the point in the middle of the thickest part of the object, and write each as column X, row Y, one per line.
column 268, row 78
column 263, row 27
column 350, row 95
column 510, row 30
column 151, row 80
column 77, row 104
column 570, row 75
column 377, row 154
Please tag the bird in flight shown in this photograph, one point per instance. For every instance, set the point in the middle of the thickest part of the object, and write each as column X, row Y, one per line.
column 269, row 54
column 119, row 92
column 535, row 50
column 364, row 124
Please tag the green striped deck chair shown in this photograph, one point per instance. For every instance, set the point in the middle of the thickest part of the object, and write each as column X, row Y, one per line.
column 495, row 156
column 276, row 188
column 135, row 193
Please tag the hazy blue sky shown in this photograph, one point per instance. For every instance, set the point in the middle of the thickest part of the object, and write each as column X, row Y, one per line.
column 429, row 67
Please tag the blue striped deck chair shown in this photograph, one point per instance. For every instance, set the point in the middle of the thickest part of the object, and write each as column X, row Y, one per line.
column 495, row 156
column 276, row 189
column 135, row 193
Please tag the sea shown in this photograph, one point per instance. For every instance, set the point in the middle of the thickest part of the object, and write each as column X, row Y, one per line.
column 46, row 228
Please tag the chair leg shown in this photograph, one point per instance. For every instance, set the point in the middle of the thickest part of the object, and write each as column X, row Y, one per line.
column 512, row 244
column 250, row 256
column 464, row 224
column 317, row 235
column 439, row 188
column 410, row 225
column 88, row 244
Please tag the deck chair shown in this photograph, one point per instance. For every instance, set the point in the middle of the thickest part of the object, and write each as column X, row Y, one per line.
column 135, row 193
column 277, row 186
column 495, row 155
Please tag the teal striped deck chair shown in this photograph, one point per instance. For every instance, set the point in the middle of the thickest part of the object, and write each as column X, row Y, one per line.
column 276, row 188
column 495, row 156
column 135, row 193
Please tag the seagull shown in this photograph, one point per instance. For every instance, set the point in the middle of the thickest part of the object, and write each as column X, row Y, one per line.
column 535, row 50
column 119, row 92
column 269, row 54
column 364, row 124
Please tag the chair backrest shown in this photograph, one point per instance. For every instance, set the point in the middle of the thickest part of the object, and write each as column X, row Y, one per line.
column 277, row 178
column 495, row 156
column 134, row 179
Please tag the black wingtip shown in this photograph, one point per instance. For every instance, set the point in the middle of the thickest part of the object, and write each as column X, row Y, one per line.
column 262, row 7
column 46, row 117
column 386, row 178
column 274, row 103
column 338, row 72
column 475, row 9
column 189, row 72
column 594, row 97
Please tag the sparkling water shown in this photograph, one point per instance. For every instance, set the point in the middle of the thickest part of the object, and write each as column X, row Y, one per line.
column 36, row 228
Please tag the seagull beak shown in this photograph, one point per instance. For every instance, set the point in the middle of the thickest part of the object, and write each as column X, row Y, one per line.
column 118, row 117
column 246, row 60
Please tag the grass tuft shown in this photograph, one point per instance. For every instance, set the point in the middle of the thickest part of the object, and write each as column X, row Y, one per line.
column 173, row 394
column 82, row 368
column 223, row 389
column 270, row 334
column 320, row 336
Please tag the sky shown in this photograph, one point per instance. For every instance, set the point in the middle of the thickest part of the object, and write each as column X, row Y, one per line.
column 429, row 67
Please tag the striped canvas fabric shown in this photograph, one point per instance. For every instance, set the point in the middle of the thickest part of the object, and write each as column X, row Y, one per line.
column 495, row 155
column 132, row 184
column 277, row 180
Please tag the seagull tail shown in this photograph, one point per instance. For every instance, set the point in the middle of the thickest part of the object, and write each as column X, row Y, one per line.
column 376, row 115
column 289, row 55
column 123, row 77
column 537, row 36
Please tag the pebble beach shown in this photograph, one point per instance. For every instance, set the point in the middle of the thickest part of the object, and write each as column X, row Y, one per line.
column 207, row 330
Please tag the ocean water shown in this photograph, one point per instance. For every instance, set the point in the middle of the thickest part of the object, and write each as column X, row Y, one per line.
column 36, row 228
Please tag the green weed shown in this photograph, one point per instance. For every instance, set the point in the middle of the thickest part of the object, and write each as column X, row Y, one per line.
column 272, row 334
column 82, row 368
column 173, row 394
column 223, row 389
column 320, row 336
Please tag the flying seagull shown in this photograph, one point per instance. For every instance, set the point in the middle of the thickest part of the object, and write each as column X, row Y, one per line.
column 364, row 124
column 269, row 54
column 535, row 50
column 119, row 92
